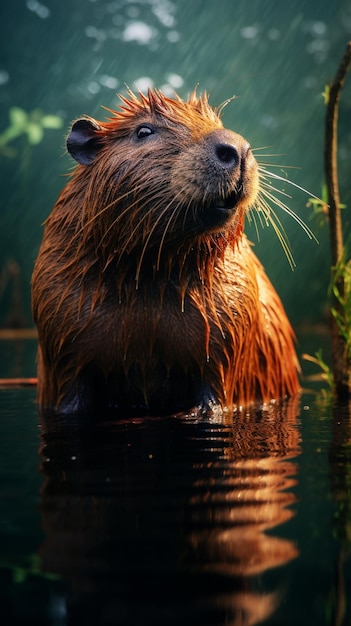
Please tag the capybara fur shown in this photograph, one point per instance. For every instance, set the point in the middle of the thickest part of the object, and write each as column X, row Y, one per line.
column 147, row 295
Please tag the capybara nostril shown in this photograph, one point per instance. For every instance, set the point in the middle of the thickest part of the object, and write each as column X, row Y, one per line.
column 227, row 155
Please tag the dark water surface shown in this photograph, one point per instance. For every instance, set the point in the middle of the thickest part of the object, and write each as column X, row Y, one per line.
column 182, row 520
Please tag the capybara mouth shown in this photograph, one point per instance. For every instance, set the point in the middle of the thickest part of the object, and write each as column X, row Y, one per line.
column 226, row 204
column 216, row 211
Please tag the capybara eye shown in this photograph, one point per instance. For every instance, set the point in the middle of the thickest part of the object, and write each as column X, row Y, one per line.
column 144, row 131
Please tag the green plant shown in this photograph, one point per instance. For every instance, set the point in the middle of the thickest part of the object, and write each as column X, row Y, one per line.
column 33, row 567
column 31, row 125
column 320, row 208
column 325, row 375
column 342, row 312
column 340, row 267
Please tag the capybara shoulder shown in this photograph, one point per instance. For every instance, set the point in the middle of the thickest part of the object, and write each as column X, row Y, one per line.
column 146, row 293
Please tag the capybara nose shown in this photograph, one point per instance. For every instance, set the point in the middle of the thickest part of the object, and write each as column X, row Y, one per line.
column 227, row 155
column 227, row 150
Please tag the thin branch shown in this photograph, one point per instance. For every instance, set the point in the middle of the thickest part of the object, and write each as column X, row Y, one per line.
column 331, row 154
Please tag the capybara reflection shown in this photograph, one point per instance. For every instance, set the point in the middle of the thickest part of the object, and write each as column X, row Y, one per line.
column 147, row 295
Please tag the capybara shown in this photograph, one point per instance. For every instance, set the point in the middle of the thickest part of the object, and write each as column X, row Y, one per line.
column 147, row 295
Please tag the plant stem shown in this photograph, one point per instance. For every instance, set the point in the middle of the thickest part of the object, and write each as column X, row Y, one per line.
column 341, row 360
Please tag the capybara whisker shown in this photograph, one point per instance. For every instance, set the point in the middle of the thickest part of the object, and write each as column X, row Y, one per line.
column 147, row 295
column 271, row 217
column 287, row 180
column 267, row 191
column 148, row 214
column 147, row 241
column 119, row 218
column 173, row 217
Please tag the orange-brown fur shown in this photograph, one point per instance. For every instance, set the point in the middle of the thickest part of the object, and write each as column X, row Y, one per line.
column 143, row 301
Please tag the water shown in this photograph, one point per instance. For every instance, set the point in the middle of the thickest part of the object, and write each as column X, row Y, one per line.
column 176, row 520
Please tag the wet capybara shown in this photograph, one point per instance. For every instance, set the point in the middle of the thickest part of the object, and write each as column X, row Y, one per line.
column 147, row 295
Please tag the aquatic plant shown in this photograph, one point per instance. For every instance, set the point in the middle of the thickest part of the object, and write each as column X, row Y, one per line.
column 32, row 567
column 31, row 125
column 29, row 129
column 325, row 375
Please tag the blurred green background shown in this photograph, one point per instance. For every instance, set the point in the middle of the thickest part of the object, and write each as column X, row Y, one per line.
column 62, row 59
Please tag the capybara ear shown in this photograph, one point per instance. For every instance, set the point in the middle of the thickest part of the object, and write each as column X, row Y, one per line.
column 83, row 142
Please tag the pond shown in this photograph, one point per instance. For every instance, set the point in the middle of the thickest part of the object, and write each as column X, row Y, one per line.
column 193, row 519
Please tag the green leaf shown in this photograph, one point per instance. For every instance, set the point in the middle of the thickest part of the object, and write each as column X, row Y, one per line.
column 18, row 118
column 35, row 133
column 326, row 94
column 19, row 575
column 51, row 121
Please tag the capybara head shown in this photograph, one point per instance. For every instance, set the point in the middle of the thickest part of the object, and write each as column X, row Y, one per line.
column 163, row 174
column 146, row 293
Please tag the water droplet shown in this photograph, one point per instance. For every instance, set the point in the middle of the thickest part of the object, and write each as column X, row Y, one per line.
column 175, row 80
column 109, row 81
column 4, row 77
column 173, row 36
column 249, row 32
column 140, row 32
column 94, row 88
column 144, row 83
